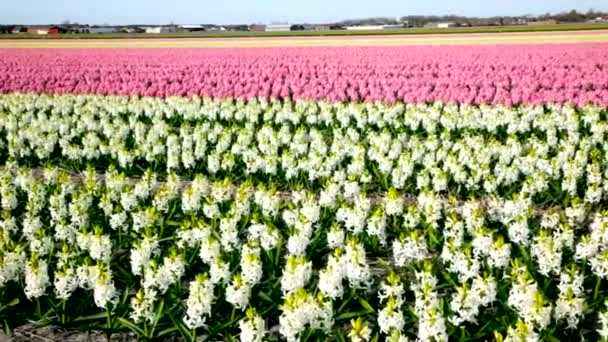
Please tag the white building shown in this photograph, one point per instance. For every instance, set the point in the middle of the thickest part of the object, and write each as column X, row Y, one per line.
column 102, row 30
column 192, row 28
column 446, row 25
column 392, row 26
column 160, row 29
column 364, row 27
column 216, row 29
column 278, row 28
column 373, row 27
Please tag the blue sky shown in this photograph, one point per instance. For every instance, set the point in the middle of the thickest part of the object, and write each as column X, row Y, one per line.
column 264, row 11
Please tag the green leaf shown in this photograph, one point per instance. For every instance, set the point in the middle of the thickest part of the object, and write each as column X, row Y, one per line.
column 128, row 324
column 449, row 279
column 182, row 328
column 551, row 339
column 348, row 315
column 366, row 305
column 351, row 294
column 167, row 331
column 265, row 297
column 101, row 315
column 125, row 296
column 339, row 336
column 159, row 313
column 13, row 302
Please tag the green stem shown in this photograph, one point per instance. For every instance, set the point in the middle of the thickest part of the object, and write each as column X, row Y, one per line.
column 63, row 316
column 108, row 318
column 38, row 311
column 597, row 288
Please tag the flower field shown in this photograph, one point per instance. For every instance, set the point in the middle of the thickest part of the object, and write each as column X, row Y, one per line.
column 555, row 73
column 597, row 33
column 426, row 193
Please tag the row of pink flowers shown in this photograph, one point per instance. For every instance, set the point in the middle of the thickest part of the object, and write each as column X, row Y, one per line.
column 503, row 74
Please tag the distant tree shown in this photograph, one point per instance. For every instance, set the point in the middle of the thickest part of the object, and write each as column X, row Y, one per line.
column 421, row 20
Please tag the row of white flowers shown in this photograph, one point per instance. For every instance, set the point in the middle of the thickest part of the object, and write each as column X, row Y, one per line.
column 59, row 232
column 567, row 154
column 309, row 207
column 518, row 119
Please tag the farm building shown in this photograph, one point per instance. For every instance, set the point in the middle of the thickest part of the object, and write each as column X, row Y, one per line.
column 37, row 30
column 102, row 30
column 543, row 22
column 192, row 28
column 441, row 25
column 364, row 27
column 446, row 25
column 394, row 26
column 278, row 28
column 45, row 30
column 19, row 29
column 132, row 29
column 215, row 28
column 161, row 29
column 600, row 20
column 237, row 28
column 257, row 28
column 373, row 27
column 55, row 30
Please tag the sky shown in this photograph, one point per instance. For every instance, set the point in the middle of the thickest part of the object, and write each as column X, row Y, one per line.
column 117, row 12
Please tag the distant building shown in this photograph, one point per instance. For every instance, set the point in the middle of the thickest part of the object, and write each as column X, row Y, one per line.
column 161, row 29
column 192, row 28
column 543, row 22
column 374, row 27
column 257, row 28
column 441, row 25
column 55, row 30
column 446, row 25
column 37, row 30
column 322, row 27
column 214, row 28
column 132, row 29
column 237, row 27
column 19, row 29
column 600, row 20
column 278, row 28
column 364, row 27
column 76, row 28
column 102, row 30
column 521, row 21
column 394, row 26
column 42, row 30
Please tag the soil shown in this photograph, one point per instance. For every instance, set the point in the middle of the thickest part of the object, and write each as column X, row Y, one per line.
column 33, row 333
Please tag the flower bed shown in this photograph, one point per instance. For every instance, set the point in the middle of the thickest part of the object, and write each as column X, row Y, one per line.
column 510, row 74
column 307, row 215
